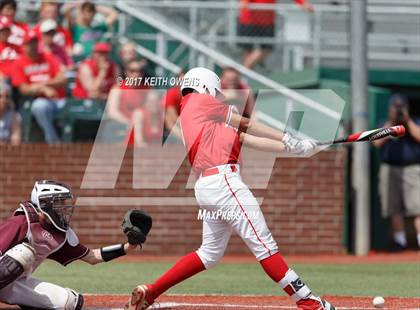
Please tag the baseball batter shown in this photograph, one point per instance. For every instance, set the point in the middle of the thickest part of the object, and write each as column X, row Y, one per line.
column 39, row 229
column 213, row 133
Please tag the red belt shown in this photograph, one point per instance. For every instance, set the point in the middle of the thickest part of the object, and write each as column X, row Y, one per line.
column 215, row 170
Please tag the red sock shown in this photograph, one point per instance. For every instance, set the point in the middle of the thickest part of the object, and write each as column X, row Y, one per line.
column 186, row 267
column 275, row 267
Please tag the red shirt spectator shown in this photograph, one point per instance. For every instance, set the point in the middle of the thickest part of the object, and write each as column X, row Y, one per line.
column 150, row 133
column 131, row 99
column 137, row 105
column 62, row 36
column 37, row 68
column 19, row 30
column 8, row 52
column 249, row 16
column 171, row 103
column 147, row 121
column 48, row 31
column 18, row 33
column 96, row 75
column 125, row 99
column 173, row 99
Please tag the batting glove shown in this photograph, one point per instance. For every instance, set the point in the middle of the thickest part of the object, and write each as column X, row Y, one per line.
column 297, row 146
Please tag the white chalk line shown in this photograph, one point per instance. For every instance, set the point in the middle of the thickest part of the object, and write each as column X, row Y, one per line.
column 164, row 305
column 242, row 306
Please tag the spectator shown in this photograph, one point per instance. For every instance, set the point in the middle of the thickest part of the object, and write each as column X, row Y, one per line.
column 237, row 92
column 84, row 30
column 96, row 75
column 128, row 97
column 8, row 52
column 399, row 175
column 127, row 103
column 10, row 121
column 48, row 31
column 259, row 23
column 147, row 122
column 172, row 104
column 40, row 76
column 62, row 36
column 127, row 54
column 19, row 30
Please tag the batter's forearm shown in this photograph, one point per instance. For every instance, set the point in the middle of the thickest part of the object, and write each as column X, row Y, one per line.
column 255, row 128
column 261, row 130
column 262, row 144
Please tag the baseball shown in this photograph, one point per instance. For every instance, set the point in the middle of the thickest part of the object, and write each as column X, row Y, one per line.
column 378, row 302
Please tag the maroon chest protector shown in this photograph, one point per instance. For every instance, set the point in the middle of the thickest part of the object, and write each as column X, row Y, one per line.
column 44, row 239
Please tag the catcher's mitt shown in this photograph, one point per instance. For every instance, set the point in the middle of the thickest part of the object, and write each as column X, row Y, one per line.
column 136, row 225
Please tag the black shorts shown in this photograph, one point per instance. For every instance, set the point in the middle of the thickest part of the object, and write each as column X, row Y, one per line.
column 245, row 30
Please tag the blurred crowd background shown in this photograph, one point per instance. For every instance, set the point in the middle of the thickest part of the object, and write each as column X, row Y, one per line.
column 60, row 60
column 61, row 69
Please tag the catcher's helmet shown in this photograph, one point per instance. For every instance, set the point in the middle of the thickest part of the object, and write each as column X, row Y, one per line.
column 55, row 200
column 202, row 80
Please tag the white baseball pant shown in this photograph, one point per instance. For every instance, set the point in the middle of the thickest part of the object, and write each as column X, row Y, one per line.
column 28, row 291
column 232, row 207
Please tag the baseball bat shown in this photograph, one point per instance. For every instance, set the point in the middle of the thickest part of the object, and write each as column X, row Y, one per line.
column 370, row 135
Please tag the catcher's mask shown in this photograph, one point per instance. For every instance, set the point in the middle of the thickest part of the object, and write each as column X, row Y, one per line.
column 55, row 201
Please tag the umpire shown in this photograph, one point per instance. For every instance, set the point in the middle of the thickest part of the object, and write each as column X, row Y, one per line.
column 399, row 174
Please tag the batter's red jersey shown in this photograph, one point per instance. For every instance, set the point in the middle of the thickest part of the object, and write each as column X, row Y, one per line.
column 209, row 140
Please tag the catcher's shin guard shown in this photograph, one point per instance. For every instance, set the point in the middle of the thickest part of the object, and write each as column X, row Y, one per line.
column 141, row 298
column 314, row 303
column 77, row 305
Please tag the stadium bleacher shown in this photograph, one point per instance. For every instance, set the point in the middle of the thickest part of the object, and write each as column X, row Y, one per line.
column 393, row 44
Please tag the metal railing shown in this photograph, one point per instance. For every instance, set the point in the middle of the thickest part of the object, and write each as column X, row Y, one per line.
column 204, row 53
column 214, row 23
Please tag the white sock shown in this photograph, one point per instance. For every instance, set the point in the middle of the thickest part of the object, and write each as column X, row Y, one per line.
column 399, row 237
column 418, row 239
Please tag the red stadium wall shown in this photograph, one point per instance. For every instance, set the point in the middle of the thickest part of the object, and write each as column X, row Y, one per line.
column 303, row 203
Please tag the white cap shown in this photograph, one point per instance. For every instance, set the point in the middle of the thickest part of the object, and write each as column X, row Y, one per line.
column 48, row 25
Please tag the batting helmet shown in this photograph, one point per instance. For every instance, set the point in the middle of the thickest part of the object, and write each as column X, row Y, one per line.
column 55, row 200
column 202, row 80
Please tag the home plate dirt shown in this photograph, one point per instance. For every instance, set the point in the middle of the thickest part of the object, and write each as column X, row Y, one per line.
column 214, row 302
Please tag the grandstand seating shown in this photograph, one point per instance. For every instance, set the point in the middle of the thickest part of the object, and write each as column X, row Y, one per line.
column 214, row 27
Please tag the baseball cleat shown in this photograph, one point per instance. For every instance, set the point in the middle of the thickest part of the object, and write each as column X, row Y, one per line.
column 314, row 303
column 141, row 298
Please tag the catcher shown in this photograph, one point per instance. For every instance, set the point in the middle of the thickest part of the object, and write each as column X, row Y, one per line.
column 39, row 229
